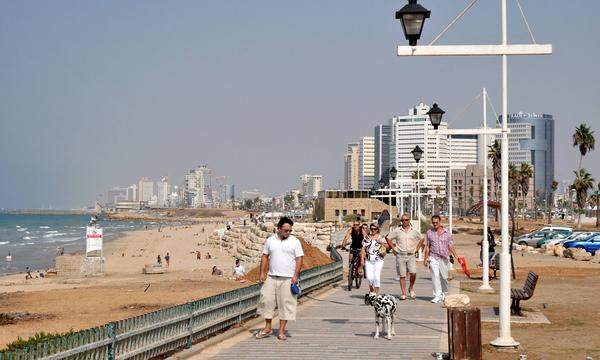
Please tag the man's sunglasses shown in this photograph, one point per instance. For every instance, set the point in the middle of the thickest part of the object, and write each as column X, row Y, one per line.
column 374, row 228
column 405, row 219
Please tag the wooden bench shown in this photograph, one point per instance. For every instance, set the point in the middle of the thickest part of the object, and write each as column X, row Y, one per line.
column 523, row 294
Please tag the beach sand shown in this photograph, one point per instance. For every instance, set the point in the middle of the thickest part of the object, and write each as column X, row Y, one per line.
column 57, row 304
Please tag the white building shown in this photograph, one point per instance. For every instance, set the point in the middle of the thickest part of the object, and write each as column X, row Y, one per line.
column 416, row 129
column 310, row 185
column 132, row 193
column 366, row 162
column 116, row 194
column 163, row 190
column 198, row 187
column 351, row 167
column 145, row 190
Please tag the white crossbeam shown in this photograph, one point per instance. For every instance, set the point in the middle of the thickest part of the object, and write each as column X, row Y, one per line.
column 489, row 131
column 475, row 50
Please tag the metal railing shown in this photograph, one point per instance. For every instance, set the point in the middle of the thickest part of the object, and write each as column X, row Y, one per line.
column 177, row 327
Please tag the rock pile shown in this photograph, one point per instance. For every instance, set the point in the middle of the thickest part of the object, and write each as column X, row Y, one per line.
column 246, row 242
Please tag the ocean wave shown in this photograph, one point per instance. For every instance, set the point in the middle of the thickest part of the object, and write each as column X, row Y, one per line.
column 65, row 240
column 3, row 242
column 44, row 227
column 54, row 234
column 21, row 229
column 51, row 232
column 28, row 237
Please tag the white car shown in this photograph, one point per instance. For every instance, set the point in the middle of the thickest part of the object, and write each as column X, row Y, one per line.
column 556, row 228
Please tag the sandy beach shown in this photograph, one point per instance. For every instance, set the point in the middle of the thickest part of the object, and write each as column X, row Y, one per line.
column 57, row 304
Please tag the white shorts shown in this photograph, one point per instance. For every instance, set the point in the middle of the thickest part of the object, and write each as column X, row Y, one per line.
column 373, row 272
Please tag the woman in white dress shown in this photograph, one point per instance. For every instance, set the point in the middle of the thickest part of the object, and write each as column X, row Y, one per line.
column 372, row 259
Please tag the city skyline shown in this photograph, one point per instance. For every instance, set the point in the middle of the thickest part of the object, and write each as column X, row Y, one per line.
column 87, row 105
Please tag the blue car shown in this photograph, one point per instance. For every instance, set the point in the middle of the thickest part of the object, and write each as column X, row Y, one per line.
column 591, row 243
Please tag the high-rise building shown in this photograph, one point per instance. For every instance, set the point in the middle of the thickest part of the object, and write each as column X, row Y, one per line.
column 310, row 185
column 132, row 193
column 351, row 167
column 366, row 162
column 531, row 140
column 163, row 189
column 198, row 191
column 145, row 190
column 467, row 187
column 415, row 129
column 116, row 194
column 383, row 137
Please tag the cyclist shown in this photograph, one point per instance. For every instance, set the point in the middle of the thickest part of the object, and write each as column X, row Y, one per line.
column 357, row 234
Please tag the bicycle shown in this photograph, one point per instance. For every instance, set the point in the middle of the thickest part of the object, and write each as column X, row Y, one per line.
column 353, row 271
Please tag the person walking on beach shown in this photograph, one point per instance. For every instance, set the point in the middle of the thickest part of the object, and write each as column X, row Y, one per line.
column 168, row 259
column 158, row 259
column 8, row 258
column 280, row 266
column 405, row 241
column 372, row 258
column 438, row 248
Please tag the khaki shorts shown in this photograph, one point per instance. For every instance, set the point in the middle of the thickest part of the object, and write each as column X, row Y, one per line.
column 406, row 263
column 276, row 292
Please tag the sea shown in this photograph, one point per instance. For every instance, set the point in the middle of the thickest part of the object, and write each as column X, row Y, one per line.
column 33, row 240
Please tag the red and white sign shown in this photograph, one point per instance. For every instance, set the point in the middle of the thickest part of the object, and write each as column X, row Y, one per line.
column 93, row 239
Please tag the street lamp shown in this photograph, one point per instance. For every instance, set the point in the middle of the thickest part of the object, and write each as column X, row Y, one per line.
column 417, row 154
column 435, row 116
column 412, row 16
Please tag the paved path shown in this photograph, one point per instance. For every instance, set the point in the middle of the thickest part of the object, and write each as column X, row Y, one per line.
column 338, row 325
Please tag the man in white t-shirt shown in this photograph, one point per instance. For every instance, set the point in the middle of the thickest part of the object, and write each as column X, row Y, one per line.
column 238, row 269
column 280, row 266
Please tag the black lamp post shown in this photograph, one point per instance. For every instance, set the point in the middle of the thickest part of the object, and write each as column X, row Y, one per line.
column 412, row 16
column 417, row 153
column 435, row 116
column 393, row 173
column 381, row 183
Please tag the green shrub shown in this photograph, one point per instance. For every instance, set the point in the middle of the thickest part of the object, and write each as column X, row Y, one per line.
column 39, row 337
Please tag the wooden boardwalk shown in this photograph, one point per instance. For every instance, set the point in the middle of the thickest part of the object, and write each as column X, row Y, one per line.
column 337, row 325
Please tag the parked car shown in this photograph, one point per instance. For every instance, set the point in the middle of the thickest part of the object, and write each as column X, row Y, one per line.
column 591, row 243
column 551, row 237
column 556, row 228
column 532, row 239
column 574, row 236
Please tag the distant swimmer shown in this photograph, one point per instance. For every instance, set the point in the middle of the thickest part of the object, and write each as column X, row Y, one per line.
column 8, row 258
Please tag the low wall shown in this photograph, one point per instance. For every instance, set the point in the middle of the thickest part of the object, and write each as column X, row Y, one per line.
column 246, row 242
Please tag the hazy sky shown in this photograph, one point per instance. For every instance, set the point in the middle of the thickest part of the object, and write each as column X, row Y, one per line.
column 97, row 94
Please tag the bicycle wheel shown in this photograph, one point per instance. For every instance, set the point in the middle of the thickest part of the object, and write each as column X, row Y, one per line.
column 358, row 281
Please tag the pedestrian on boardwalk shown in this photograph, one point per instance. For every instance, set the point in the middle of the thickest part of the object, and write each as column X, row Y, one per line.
column 280, row 266
column 158, row 260
column 405, row 241
column 168, row 259
column 373, row 258
column 438, row 248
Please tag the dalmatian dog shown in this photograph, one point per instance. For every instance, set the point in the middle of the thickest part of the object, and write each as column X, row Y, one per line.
column 385, row 307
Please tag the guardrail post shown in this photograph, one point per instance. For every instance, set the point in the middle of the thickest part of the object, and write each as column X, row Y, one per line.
column 112, row 333
column 190, row 309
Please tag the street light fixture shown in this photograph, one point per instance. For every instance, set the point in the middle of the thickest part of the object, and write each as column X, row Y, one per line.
column 393, row 173
column 412, row 16
column 417, row 153
column 435, row 116
column 381, row 183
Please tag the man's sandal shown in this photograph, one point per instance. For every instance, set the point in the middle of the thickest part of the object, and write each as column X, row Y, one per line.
column 262, row 334
column 281, row 337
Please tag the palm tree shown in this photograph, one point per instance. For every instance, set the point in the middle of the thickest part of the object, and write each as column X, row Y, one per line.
column 582, row 184
column 597, row 198
column 416, row 176
column 495, row 154
column 553, row 187
column 584, row 139
column 525, row 173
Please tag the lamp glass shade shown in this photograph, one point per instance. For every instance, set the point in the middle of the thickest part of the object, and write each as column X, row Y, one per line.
column 412, row 16
column 435, row 115
column 417, row 153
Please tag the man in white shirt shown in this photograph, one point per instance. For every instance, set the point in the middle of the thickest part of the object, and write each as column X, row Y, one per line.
column 280, row 266
column 238, row 269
